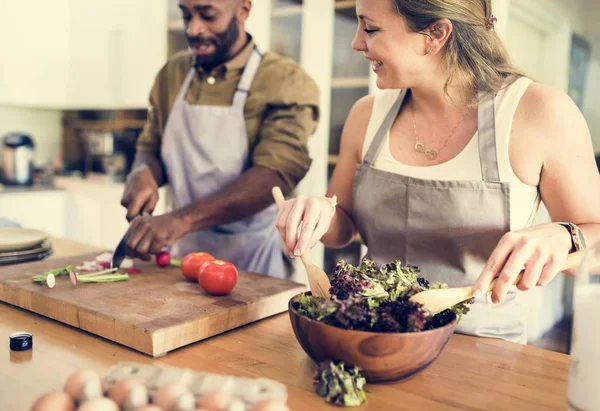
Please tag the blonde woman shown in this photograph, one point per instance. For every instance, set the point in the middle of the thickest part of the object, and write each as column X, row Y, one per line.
column 446, row 167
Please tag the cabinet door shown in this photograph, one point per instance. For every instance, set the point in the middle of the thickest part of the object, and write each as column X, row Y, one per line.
column 40, row 210
column 116, row 49
column 73, row 54
column 34, row 51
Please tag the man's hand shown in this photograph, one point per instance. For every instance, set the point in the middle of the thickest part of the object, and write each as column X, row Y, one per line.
column 141, row 193
column 149, row 235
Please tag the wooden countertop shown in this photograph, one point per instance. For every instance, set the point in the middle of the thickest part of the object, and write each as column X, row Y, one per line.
column 472, row 373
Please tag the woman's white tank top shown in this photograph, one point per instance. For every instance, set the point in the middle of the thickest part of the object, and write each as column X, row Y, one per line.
column 524, row 199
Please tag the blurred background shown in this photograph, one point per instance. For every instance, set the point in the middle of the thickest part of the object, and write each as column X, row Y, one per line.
column 76, row 75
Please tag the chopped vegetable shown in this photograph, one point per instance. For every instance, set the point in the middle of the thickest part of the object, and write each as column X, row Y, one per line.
column 104, row 264
column 105, row 276
column 57, row 272
column 126, row 263
column 340, row 384
column 89, row 266
column 98, row 273
column 371, row 298
column 110, row 278
column 133, row 270
column 73, row 277
column 51, row 281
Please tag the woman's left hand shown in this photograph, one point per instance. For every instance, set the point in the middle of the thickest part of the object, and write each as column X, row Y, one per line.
column 541, row 250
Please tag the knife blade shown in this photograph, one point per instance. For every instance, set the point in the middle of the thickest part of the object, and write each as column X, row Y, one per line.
column 119, row 254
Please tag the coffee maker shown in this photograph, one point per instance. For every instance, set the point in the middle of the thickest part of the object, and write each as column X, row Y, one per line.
column 18, row 150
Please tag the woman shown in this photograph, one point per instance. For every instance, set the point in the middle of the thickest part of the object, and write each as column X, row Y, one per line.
column 446, row 167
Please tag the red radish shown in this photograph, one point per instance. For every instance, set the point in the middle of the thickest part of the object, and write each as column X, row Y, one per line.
column 73, row 277
column 104, row 264
column 51, row 281
column 163, row 259
column 133, row 270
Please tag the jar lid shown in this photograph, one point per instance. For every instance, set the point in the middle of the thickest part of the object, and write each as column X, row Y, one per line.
column 21, row 341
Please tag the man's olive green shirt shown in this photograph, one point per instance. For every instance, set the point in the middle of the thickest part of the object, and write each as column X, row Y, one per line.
column 281, row 112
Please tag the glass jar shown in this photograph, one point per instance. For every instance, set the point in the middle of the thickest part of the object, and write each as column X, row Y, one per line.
column 584, row 373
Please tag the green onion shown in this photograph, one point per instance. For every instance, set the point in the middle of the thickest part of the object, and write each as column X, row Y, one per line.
column 57, row 272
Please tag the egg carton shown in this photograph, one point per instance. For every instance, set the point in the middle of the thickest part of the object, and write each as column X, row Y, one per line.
column 248, row 391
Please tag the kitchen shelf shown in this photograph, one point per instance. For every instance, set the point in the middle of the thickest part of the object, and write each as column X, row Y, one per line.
column 287, row 11
column 105, row 124
column 346, row 9
column 345, row 4
column 349, row 82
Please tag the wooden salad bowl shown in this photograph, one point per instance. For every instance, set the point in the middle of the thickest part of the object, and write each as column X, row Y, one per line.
column 383, row 357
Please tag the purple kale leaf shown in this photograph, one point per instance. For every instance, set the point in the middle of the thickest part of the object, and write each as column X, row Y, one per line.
column 347, row 281
column 340, row 384
column 401, row 316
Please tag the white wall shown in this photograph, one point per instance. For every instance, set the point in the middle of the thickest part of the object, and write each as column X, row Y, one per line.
column 44, row 126
column 592, row 98
column 583, row 16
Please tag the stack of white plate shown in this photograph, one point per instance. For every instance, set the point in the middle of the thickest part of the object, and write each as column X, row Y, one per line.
column 19, row 245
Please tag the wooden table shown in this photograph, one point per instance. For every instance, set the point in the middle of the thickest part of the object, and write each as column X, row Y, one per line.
column 472, row 373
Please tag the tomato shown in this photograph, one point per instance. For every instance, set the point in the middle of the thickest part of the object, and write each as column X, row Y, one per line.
column 191, row 263
column 218, row 277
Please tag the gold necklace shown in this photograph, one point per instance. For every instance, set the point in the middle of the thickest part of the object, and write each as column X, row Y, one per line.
column 420, row 147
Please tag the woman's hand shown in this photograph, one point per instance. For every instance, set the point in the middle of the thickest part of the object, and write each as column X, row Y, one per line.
column 540, row 249
column 302, row 222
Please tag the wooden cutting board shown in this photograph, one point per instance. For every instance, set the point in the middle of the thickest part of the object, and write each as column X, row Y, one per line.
column 154, row 312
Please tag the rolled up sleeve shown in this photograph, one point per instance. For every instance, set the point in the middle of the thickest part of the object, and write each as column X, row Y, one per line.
column 291, row 118
column 150, row 138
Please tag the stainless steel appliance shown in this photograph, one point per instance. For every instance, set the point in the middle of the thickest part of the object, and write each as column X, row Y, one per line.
column 18, row 150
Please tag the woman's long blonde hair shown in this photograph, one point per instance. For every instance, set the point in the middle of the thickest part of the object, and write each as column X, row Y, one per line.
column 474, row 54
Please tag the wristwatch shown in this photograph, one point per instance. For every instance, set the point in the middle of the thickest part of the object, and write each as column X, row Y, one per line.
column 577, row 239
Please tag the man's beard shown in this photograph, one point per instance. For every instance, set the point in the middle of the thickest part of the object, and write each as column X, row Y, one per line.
column 223, row 43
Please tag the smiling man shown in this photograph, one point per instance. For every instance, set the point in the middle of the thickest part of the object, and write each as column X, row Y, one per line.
column 226, row 123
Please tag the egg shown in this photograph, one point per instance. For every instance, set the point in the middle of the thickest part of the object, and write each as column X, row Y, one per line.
column 270, row 405
column 148, row 408
column 236, row 405
column 174, row 397
column 83, row 385
column 128, row 393
column 215, row 401
column 99, row 404
column 54, row 401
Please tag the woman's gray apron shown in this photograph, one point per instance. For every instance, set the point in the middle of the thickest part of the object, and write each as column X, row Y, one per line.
column 205, row 149
column 446, row 228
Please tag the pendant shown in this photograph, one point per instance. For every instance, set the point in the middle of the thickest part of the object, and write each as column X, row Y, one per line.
column 431, row 154
column 420, row 148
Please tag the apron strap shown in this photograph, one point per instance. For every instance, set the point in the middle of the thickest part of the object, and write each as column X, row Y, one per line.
column 384, row 128
column 488, row 157
column 243, row 88
column 186, row 84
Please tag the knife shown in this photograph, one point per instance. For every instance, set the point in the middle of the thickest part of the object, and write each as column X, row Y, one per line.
column 119, row 253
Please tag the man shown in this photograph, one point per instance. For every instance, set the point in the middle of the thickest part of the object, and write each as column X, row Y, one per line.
column 225, row 125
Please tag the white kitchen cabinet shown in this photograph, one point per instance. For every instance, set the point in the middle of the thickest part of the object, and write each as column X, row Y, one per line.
column 40, row 210
column 94, row 212
column 73, row 54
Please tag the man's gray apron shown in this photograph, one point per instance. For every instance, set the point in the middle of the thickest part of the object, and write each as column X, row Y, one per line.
column 446, row 228
column 205, row 149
